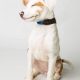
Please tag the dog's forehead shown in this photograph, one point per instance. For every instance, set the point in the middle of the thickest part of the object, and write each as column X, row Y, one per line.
column 36, row 1
column 49, row 3
column 32, row 2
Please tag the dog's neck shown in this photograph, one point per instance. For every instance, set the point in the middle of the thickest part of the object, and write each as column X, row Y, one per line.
column 48, row 21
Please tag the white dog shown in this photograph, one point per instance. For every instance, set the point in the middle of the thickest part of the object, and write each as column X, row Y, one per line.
column 43, row 52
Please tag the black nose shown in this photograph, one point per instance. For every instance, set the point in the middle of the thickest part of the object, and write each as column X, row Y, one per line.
column 21, row 14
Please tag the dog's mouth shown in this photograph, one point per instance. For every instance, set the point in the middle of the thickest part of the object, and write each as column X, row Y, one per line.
column 26, row 18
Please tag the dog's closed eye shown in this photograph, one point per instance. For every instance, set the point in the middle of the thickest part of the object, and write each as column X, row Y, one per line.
column 38, row 4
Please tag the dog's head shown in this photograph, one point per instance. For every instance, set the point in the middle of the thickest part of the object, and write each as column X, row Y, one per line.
column 37, row 9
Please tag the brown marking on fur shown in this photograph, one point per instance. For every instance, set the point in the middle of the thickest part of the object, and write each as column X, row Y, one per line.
column 25, row 2
column 59, row 66
column 38, row 4
column 58, row 69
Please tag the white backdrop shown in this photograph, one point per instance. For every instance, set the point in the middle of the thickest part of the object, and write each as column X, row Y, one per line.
column 14, row 33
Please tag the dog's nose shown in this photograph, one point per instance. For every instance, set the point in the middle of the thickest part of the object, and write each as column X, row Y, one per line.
column 21, row 14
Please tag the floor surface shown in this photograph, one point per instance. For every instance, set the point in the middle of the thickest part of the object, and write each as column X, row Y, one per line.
column 13, row 66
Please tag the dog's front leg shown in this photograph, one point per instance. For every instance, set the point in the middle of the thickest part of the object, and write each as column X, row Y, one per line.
column 29, row 66
column 51, row 67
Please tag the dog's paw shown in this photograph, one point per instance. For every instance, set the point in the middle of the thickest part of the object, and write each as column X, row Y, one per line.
column 57, row 77
column 25, row 78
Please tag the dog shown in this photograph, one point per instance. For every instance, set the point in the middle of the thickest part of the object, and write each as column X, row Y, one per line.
column 43, row 56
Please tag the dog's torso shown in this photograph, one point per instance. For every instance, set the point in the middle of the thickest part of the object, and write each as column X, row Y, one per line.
column 43, row 46
column 43, row 41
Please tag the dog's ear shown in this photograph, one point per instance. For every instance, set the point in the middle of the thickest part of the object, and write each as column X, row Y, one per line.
column 25, row 2
column 50, row 3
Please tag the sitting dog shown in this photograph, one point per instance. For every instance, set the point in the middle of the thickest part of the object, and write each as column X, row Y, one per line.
column 43, row 53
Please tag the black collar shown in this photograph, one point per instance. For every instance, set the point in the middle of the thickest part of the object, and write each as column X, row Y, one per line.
column 47, row 21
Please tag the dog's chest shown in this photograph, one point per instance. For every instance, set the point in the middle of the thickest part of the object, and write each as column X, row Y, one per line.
column 41, row 43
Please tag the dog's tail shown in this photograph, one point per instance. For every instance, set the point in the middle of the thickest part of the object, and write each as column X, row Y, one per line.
column 68, row 62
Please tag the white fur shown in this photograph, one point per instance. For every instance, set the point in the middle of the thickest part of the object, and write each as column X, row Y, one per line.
column 43, row 41
column 44, row 45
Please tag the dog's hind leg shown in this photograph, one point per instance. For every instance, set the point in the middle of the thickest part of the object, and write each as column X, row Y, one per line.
column 58, row 69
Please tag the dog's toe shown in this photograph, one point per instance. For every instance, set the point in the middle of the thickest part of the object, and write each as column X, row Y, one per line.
column 57, row 77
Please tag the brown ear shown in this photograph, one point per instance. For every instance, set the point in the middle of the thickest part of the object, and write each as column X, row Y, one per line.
column 25, row 2
column 38, row 4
